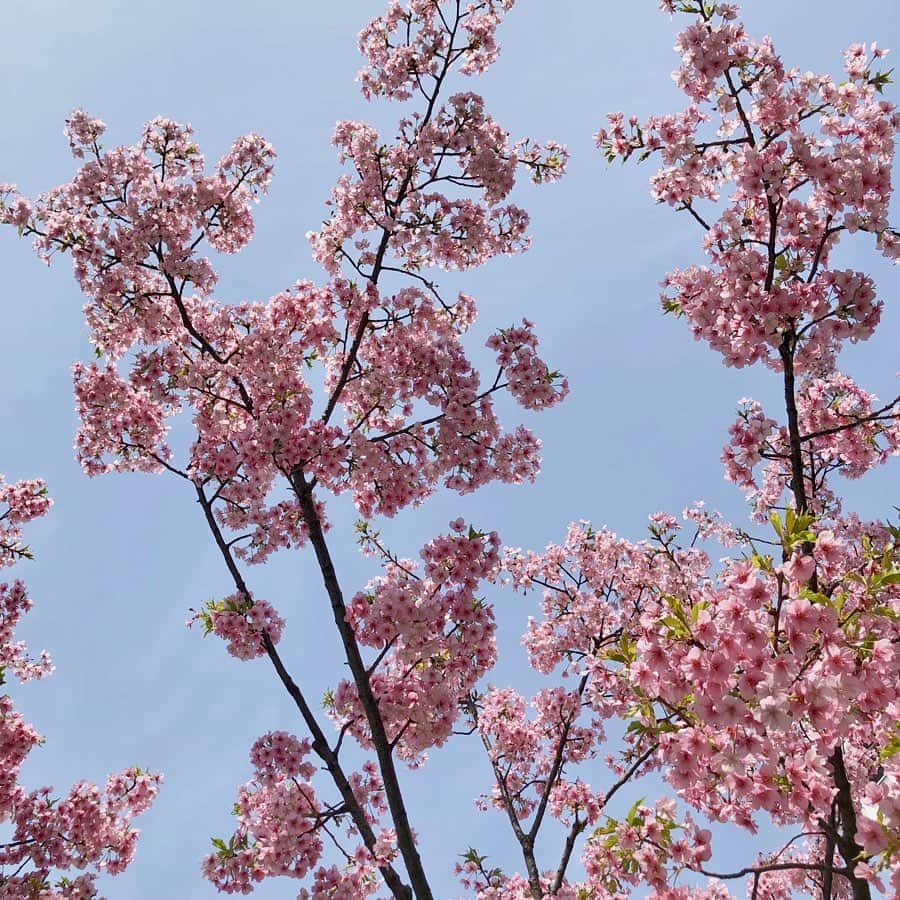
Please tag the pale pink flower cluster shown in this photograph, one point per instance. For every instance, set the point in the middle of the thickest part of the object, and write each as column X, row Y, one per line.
column 737, row 682
column 17, row 210
column 112, row 410
column 435, row 637
column 388, row 459
column 23, row 501
column 281, row 824
column 529, row 379
column 879, row 832
column 638, row 849
column 83, row 132
column 797, row 159
column 242, row 623
column 395, row 189
column 404, row 47
column 740, row 681
column 355, row 385
column 89, row 828
column 844, row 429
column 354, row 883
column 134, row 220
column 278, row 819
column 14, row 603
column 525, row 748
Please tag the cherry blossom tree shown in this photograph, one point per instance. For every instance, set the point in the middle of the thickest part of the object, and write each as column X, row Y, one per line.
column 762, row 688
column 353, row 386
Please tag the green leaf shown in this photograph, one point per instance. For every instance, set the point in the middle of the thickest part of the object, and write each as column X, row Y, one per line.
column 891, row 748
column 632, row 817
column 865, row 650
column 880, row 79
column 674, row 626
column 472, row 855
column 815, row 597
column 673, row 307
column 887, row 613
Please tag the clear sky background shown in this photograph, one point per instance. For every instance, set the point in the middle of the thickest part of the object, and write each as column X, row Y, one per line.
column 120, row 559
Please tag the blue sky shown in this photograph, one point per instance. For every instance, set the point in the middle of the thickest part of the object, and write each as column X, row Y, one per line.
column 120, row 559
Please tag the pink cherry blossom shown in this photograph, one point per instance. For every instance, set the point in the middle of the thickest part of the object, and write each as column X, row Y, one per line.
column 88, row 828
column 752, row 670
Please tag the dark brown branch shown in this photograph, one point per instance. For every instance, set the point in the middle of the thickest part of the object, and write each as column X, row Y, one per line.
column 405, row 839
column 320, row 742
column 386, row 235
column 828, row 877
column 772, row 867
column 875, row 416
column 626, row 777
column 846, row 838
column 798, row 486
column 556, row 768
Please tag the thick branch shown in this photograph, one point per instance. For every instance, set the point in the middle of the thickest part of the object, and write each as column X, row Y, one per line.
column 320, row 742
column 798, row 486
column 405, row 840
column 846, row 839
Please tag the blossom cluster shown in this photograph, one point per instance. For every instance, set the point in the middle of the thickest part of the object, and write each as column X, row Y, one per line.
column 243, row 623
column 281, row 825
column 842, row 428
column 89, row 828
column 394, row 190
column 134, row 220
column 762, row 687
column 277, row 813
column 735, row 682
column 408, row 43
column 23, row 501
column 435, row 638
column 786, row 162
column 526, row 750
